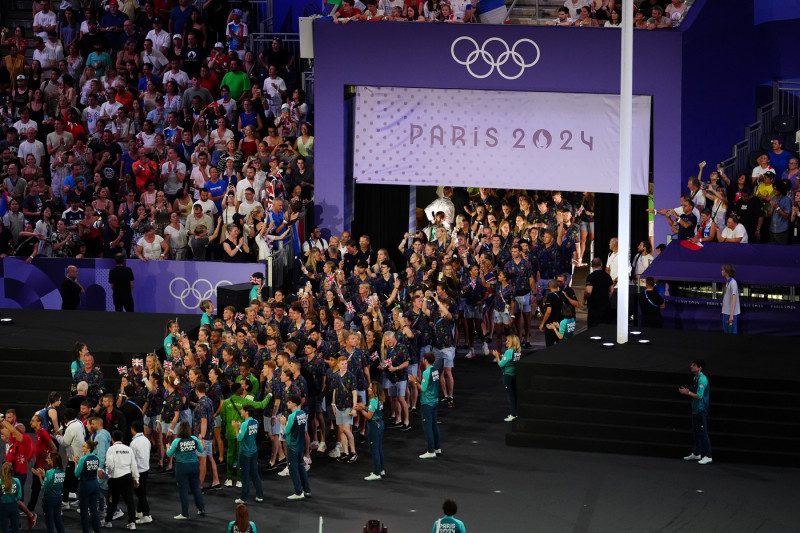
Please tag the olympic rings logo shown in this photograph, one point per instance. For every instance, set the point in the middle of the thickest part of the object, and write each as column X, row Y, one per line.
column 489, row 59
column 190, row 295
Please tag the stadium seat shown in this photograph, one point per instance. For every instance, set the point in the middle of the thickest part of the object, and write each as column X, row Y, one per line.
column 784, row 124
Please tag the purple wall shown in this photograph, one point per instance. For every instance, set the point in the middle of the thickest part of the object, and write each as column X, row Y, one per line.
column 418, row 55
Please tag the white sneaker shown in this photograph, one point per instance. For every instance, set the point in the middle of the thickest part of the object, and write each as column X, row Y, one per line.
column 138, row 516
column 108, row 524
column 131, row 525
column 296, row 496
column 117, row 514
column 238, row 484
column 259, row 500
column 692, row 457
column 180, row 517
column 438, row 451
column 322, row 447
column 145, row 520
column 307, row 460
column 470, row 354
column 373, row 477
column 428, row 455
column 509, row 418
column 705, row 461
column 314, row 445
column 229, row 483
column 284, row 472
column 335, row 454
column 64, row 506
column 76, row 503
column 239, row 501
column 485, row 348
column 308, row 467
column 72, row 496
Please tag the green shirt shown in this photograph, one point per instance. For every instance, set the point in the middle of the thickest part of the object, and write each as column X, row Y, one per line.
column 253, row 381
column 508, row 363
column 248, row 433
column 185, row 450
column 231, row 408
column 376, row 408
column 237, row 82
column 430, row 386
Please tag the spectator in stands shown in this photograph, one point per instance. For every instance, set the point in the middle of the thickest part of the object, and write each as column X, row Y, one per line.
column 779, row 211
column 791, row 174
column 750, row 213
column 734, row 231
column 562, row 19
column 675, row 11
column 761, row 168
column 778, row 157
column 706, row 229
column 795, row 219
column 614, row 19
column 659, row 20
column 584, row 19
column 574, row 7
column 346, row 12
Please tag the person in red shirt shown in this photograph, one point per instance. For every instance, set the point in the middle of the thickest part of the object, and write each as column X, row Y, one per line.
column 144, row 169
column 43, row 445
column 20, row 448
column 346, row 12
column 209, row 80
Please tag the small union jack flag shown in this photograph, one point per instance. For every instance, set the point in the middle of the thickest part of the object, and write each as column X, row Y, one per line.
column 330, row 279
column 350, row 307
column 239, row 317
column 137, row 362
column 122, row 370
column 215, row 361
column 167, row 366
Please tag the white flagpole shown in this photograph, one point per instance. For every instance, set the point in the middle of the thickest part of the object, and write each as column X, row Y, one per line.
column 625, row 142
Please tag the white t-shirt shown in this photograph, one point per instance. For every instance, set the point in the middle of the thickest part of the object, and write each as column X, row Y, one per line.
column 177, row 237
column 90, row 116
column 575, row 8
column 181, row 78
column 245, row 208
column 151, row 251
column 110, row 109
column 44, row 19
column 36, row 148
column 272, row 89
column 161, row 41
column 220, row 142
column 22, row 128
column 735, row 233
column 758, row 171
column 46, row 57
column 612, row 266
column 244, row 184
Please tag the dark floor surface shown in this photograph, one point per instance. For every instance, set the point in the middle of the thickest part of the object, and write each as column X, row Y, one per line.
column 503, row 489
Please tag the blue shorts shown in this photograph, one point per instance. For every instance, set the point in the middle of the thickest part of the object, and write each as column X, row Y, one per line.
column 412, row 369
column 543, row 289
column 444, row 357
column 218, row 421
column 150, row 422
column 502, row 318
column 343, row 418
column 473, row 311
column 397, row 390
column 186, row 416
column 206, row 449
column 523, row 303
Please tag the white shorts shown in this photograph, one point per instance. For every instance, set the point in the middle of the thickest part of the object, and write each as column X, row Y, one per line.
column 502, row 318
column 397, row 390
column 445, row 357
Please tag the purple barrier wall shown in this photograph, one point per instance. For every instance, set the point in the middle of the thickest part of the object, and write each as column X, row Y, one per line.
column 160, row 286
column 419, row 55
column 757, row 318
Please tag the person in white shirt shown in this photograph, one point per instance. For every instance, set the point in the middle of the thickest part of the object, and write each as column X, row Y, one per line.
column 153, row 56
column 140, row 446
column 91, row 113
column 45, row 20
column 108, row 111
column 612, row 263
column 249, row 182
column 73, row 438
column 45, row 56
column 53, row 43
column 25, row 123
column 445, row 205
column 123, row 476
column 161, row 39
column 575, row 6
column 177, row 75
column 200, row 173
column 642, row 260
column 249, row 202
column 31, row 146
column 275, row 89
column 734, row 232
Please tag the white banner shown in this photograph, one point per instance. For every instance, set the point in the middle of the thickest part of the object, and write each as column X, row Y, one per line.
column 505, row 139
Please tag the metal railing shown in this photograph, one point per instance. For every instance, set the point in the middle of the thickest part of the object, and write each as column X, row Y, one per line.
column 785, row 101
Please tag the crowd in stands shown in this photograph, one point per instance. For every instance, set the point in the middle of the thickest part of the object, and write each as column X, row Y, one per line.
column 761, row 205
column 151, row 131
column 648, row 14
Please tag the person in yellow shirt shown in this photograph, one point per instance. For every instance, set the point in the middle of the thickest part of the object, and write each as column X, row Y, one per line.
column 15, row 63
